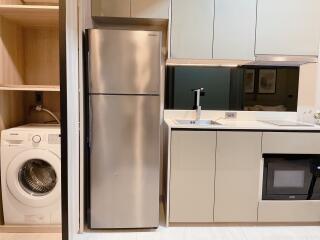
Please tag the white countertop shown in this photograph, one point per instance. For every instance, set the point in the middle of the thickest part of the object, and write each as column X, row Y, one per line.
column 241, row 125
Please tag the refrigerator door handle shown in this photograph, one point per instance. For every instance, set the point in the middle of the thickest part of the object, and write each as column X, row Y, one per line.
column 90, row 124
column 89, row 99
column 89, row 72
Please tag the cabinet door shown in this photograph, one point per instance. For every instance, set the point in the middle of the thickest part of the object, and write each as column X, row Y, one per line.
column 158, row 9
column 234, row 29
column 238, row 163
column 110, row 8
column 288, row 27
column 192, row 176
column 192, row 29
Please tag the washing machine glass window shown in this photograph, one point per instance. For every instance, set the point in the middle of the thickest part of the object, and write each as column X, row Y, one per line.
column 37, row 177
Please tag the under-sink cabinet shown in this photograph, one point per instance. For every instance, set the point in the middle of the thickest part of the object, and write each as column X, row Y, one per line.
column 192, row 176
column 238, row 160
column 217, row 176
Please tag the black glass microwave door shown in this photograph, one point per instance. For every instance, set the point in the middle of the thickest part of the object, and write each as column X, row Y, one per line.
column 288, row 177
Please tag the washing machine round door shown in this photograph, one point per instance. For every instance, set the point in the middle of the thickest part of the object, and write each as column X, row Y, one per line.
column 33, row 177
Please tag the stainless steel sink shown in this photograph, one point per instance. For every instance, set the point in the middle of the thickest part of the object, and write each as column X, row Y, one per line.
column 198, row 122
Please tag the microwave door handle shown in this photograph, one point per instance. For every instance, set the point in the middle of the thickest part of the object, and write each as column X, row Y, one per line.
column 311, row 187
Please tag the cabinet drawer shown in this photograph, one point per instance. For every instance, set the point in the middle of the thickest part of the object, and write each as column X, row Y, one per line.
column 289, row 211
column 291, row 143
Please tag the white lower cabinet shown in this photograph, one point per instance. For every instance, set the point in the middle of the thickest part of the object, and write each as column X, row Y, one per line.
column 216, row 176
column 238, row 162
column 192, row 176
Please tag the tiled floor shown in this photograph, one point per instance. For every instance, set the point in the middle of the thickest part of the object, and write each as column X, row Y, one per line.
column 189, row 233
column 213, row 233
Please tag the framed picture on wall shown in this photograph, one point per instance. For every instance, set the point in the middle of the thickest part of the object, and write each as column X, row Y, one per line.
column 267, row 81
column 249, row 76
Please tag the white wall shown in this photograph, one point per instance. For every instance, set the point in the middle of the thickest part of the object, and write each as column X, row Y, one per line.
column 307, row 85
column 317, row 98
column 309, row 91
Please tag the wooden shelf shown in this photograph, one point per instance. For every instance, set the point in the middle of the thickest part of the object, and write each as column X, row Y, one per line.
column 34, row 88
column 31, row 15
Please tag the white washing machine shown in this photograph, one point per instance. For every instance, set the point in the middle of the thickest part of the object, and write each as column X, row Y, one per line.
column 31, row 174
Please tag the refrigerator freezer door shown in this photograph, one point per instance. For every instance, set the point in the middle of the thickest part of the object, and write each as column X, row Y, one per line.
column 124, row 61
column 125, row 161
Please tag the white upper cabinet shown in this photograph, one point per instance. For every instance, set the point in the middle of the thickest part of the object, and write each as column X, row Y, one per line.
column 158, row 9
column 110, row 8
column 288, row 27
column 234, row 29
column 192, row 29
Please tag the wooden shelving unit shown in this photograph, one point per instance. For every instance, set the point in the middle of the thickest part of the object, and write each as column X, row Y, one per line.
column 29, row 64
column 35, row 88
column 29, row 60
column 31, row 15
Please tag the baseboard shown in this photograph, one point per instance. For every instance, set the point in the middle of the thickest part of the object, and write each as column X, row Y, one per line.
column 30, row 228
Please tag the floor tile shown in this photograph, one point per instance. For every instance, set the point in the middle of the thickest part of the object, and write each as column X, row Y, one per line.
column 228, row 233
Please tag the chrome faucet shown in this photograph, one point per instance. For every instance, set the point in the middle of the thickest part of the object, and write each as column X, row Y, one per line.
column 198, row 92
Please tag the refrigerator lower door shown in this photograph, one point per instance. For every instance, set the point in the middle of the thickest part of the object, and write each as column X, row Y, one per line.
column 124, row 161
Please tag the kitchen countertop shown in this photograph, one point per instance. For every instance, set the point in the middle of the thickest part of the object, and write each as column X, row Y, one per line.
column 241, row 125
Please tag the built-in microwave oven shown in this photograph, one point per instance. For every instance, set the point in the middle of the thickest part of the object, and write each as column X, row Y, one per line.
column 291, row 177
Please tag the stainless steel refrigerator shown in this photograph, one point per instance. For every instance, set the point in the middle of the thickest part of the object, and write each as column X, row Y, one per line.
column 124, row 102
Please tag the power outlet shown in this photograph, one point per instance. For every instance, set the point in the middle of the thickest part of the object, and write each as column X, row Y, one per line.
column 38, row 98
column 230, row 115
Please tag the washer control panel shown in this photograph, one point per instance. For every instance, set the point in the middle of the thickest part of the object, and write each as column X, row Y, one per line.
column 32, row 135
